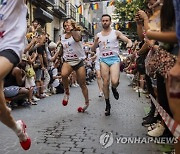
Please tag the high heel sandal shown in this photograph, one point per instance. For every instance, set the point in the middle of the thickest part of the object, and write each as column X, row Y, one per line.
column 65, row 99
column 107, row 110
column 80, row 109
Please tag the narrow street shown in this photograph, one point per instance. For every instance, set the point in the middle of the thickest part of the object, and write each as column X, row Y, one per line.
column 55, row 129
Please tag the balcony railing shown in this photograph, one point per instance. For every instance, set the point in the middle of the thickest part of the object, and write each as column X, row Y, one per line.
column 86, row 25
column 46, row 2
column 60, row 7
column 72, row 12
column 50, row 2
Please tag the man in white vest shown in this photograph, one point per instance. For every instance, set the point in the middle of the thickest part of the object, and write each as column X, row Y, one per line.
column 108, row 42
column 12, row 43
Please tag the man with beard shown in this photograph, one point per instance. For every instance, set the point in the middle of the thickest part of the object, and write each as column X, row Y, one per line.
column 108, row 42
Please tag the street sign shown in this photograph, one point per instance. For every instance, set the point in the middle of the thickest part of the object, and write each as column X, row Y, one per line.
column 89, row 1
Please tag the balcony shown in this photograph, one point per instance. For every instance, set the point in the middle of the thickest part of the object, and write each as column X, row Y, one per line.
column 60, row 8
column 43, row 16
column 86, row 25
column 45, row 2
column 72, row 12
column 49, row 2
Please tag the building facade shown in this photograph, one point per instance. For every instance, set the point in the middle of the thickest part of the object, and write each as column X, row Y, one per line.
column 52, row 13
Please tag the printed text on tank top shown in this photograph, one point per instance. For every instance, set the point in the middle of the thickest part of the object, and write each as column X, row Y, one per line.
column 70, row 55
column 106, row 45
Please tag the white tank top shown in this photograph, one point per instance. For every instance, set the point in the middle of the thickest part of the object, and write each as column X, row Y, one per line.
column 13, row 25
column 109, row 45
column 72, row 50
column 97, row 55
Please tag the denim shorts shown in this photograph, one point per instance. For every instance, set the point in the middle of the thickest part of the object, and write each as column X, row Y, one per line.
column 11, row 91
column 110, row 60
column 38, row 74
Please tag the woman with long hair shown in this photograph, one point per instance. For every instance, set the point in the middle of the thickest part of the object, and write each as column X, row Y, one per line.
column 73, row 56
column 168, row 42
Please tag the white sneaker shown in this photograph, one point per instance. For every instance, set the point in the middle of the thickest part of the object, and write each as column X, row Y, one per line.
column 35, row 99
column 140, row 90
column 77, row 85
column 101, row 94
column 136, row 88
column 153, row 126
column 157, row 132
column 45, row 95
column 74, row 85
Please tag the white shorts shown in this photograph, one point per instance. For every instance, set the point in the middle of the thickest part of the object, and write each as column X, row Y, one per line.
column 30, row 82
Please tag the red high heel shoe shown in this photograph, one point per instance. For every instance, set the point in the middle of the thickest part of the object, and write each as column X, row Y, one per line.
column 65, row 99
column 83, row 109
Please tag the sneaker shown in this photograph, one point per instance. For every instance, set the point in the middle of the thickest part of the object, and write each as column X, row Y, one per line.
column 44, row 95
column 25, row 141
column 35, row 99
column 157, row 132
column 101, row 94
column 140, row 90
column 77, row 85
column 148, row 116
column 135, row 88
column 87, row 83
column 115, row 93
column 74, row 85
column 153, row 126
column 25, row 104
column 149, row 121
column 130, row 84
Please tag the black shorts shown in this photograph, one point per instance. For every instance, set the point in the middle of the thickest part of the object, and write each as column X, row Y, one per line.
column 76, row 67
column 11, row 56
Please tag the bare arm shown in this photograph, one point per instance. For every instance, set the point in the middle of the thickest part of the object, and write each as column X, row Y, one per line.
column 20, row 79
column 30, row 45
column 169, row 37
column 54, row 56
column 31, row 60
column 140, row 32
column 143, row 16
column 122, row 37
column 94, row 57
column 76, row 35
column 139, row 24
column 144, row 49
column 95, row 44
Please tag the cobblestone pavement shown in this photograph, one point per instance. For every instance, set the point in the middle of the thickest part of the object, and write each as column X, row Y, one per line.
column 55, row 129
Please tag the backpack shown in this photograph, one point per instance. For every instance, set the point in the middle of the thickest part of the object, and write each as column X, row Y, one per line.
column 51, row 75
